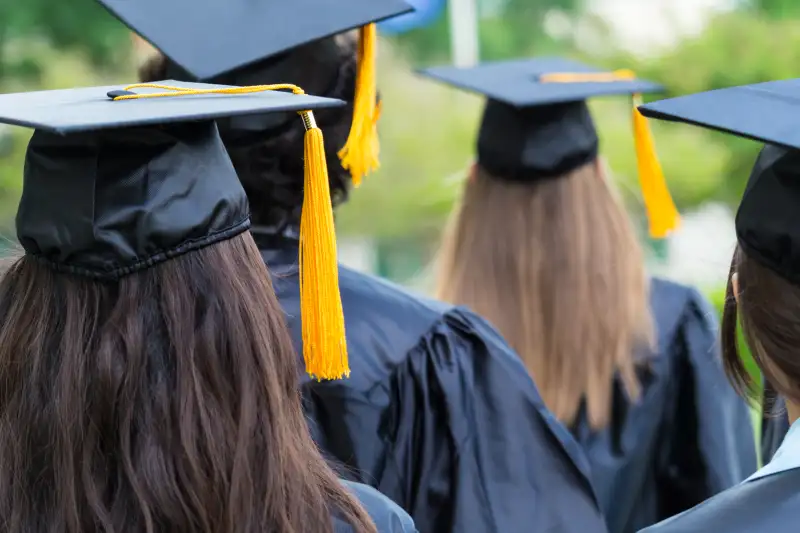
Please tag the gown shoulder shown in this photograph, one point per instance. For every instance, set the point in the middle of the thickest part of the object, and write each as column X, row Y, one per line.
column 387, row 515
column 769, row 504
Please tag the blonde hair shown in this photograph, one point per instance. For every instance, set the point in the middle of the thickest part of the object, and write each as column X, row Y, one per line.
column 556, row 267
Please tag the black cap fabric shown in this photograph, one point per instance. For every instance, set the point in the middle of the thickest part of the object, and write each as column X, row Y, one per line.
column 765, row 112
column 318, row 71
column 112, row 187
column 534, row 129
column 536, row 142
column 768, row 219
column 211, row 38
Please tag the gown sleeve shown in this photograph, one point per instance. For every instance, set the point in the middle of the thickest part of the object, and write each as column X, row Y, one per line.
column 472, row 448
column 709, row 435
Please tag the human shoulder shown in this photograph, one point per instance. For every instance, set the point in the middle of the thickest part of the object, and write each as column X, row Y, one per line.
column 768, row 504
column 375, row 292
column 386, row 514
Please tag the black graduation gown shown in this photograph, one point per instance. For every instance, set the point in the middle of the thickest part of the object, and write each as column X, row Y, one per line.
column 768, row 505
column 687, row 438
column 387, row 515
column 440, row 415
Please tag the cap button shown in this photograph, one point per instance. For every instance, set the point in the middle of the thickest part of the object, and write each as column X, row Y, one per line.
column 118, row 93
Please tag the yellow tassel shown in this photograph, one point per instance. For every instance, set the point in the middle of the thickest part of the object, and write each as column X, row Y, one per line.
column 661, row 211
column 324, row 343
column 361, row 153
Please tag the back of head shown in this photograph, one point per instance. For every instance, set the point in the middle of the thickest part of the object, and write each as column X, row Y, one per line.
column 270, row 163
column 148, row 383
column 554, row 264
column 766, row 264
column 165, row 402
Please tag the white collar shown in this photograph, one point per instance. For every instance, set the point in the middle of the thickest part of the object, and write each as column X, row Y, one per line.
column 786, row 458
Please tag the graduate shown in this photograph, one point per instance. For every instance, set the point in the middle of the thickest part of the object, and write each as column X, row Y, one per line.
column 437, row 412
column 541, row 246
column 763, row 293
column 147, row 374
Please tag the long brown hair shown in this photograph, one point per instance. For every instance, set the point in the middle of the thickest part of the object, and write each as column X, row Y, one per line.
column 556, row 267
column 768, row 312
column 165, row 402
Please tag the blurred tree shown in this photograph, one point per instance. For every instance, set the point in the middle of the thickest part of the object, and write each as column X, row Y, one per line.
column 736, row 48
column 518, row 29
column 776, row 8
column 427, row 138
column 58, row 70
column 508, row 28
column 83, row 25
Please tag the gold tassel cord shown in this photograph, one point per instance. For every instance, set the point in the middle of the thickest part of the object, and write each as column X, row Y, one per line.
column 324, row 342
column 663, row 216
column 361, row 153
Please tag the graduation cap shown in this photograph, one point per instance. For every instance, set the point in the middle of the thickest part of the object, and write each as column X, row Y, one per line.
column 117, row 180
column 768, row 218
column 214, row 38
column 536, row 124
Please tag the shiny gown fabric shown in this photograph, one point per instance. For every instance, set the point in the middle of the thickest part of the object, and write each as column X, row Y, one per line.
column 688, row 437
column 440, row 415
column 387, row 515
column 769, row 505
column 767, row 501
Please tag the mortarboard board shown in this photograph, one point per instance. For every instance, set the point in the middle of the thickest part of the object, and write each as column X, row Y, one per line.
column 233, row 38
column 768, row 218
column 536, row 124
column 119, row 179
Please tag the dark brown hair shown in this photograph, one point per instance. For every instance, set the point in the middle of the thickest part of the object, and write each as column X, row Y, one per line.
column 768, row 312
column 166, row 402
column 556, row 267
column 271, row 170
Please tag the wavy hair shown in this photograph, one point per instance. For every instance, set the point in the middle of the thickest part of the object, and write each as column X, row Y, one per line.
column 166, row 402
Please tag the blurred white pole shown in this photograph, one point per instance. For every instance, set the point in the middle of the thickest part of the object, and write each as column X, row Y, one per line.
column 464, row 32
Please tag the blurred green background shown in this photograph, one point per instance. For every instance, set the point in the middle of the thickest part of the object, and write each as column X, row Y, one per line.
column 393, row 221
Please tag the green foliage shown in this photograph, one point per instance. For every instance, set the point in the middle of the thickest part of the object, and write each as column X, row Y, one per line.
column 776, row 8
column 508, row 28
column 691, row 183
column 736, row 48
column 62, row 70
column 427, row 138
column 83, row 25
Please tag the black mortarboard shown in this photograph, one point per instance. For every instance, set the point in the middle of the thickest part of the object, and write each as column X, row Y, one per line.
column 211, row 38
column 536, row 124
column 236, row 42
column 768, row 219
column 119, row 179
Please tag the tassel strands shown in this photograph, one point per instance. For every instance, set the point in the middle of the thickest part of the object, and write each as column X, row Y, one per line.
column 662, row 215
column 323, row 330
column 661, row 211
column 324, row 344
column 361, row 153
